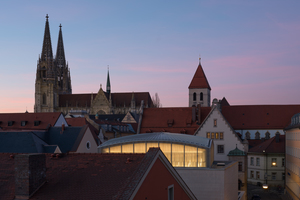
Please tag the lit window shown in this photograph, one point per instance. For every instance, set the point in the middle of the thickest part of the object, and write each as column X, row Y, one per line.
column 208, row 135
column 257, row 162
column 212, row 135
column 220, row 148
column 251, row 161
column 274, row 162
column 217, row 135
column 221, row 136
column 215, row 123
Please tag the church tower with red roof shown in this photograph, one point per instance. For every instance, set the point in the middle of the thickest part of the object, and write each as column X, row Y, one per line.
column 199, row 89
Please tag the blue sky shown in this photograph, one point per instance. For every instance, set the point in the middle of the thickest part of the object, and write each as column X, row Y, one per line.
column 250, row 50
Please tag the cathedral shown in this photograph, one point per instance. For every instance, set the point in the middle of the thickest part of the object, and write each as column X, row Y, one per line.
column 53, row 89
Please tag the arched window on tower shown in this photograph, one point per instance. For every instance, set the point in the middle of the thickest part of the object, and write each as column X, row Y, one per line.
column 194, row 96
column 257, row 135
column 44, row 99
column 201, row 96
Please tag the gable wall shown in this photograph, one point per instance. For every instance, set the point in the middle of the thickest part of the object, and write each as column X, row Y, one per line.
column 155, row 185
column 82, row 146
column 230, row 138
column 61, row 120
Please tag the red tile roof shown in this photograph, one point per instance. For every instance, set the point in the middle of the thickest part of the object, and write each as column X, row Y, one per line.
column 118, row 99
column 83, row 176
column 156, row 120
column 44, row 118
column 76, row 121
column 270, row 146
column 199, row 80
column 259, row 116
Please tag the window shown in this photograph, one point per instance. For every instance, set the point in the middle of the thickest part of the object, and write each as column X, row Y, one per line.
column 217, row 135
column 212, row 135
column 10, row 123
column 267, row 135
column 171, row 192
column 240, row 166
column 208, row 135
column 221, row 136
column 201, row 96
column 36, row 123
column 220, row 148
column 215, row 123
column 257, row 162
column 23, row 123
column 283, row 176
column 257, row 135
column 194, row 96
column 252, row 174
column 88, row 145
column 282, row 162
column 44, row 99
column 274, row 162
column 248, row 135
column 274, row 176
column 251, row 161
column 257, row 175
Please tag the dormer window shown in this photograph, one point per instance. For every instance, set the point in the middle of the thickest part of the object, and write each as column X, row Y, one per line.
column 36, row 123
column 170, row 122
column 23, row 123
column 10, row 123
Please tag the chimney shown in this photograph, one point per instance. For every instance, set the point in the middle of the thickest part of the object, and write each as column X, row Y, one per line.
column 62, row 127
column 199, row 113
column 30, row 174
column 193, row 113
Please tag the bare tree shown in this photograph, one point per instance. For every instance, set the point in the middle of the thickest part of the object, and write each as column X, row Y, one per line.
column 156, row 101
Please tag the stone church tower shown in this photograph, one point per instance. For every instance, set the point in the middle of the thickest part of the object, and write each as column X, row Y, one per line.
column 199, row 89
column 52, row 75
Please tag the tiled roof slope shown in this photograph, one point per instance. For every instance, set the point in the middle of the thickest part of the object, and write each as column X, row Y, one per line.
column 260, row 116
column 270, row 146
column 173, row 120
column 199, row 80
column 44, row 118
column 83, row 176
column 118, row 99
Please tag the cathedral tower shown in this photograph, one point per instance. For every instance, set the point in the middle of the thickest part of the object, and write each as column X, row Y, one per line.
column 199, row 89
column 52, row 75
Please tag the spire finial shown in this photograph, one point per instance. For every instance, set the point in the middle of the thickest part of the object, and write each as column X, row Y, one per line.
column 101, row 86
column 60, row 26
column 199, row 59
column 47, row 17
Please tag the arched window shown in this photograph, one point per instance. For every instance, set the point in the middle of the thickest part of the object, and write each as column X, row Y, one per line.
column 194, row 96
column 201, row 96
column 44, row 99
column 257, row 135
column 267, row 135
column 248, row 135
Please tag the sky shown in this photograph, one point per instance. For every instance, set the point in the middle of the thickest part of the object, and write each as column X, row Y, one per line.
column 250, row 50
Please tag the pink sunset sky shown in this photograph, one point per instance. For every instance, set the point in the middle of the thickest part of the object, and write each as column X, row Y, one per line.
column 250, row 50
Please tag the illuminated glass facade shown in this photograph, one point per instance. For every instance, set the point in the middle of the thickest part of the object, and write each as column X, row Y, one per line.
column 179, row 155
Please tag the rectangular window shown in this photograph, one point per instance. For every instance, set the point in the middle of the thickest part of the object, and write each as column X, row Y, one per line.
column 220, row 148
column 273, row 176
column 215, row 123
column 212, row 135
column 240, row 166
column 257, row 162
column 217, row 135
column 208, row 135
column 251, row 161
column 221, row 136
column 283, row 176
column 282, row 162
column 274, row 162
column 257, row 175
column 252, row 174
column 171, row 192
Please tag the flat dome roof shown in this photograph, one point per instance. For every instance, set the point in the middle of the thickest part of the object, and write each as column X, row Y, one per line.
column 160, row 137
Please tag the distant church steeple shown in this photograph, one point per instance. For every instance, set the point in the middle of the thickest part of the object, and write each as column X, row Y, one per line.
column 108, row 82
column 199, row 88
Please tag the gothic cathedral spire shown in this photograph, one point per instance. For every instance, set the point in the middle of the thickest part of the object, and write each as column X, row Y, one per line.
column 108, row 83
column 47, row 54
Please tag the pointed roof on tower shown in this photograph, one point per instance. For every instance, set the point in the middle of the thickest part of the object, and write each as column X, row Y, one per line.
column 47, row 47
column 199, row 80
column 108, row 82
column 60, row 52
